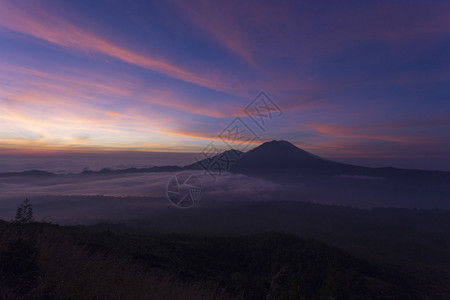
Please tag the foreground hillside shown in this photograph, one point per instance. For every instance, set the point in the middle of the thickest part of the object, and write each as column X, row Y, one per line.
column 44, row 261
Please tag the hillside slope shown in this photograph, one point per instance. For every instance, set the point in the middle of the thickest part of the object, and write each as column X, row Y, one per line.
column 43, row 261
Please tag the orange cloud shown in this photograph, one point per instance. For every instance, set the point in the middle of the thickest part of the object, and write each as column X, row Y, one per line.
column 208, row 137
column 76, row 89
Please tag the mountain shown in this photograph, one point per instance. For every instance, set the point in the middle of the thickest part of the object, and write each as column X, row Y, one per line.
column 279, row 155
column 274, row 157
column 284, row 157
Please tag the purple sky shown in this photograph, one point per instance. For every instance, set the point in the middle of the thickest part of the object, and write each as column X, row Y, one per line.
column 355, row 79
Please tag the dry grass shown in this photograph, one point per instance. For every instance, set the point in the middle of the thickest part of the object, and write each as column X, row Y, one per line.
column 68, row 270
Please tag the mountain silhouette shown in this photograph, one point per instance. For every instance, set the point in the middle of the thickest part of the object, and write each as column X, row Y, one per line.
column 280, row 155
column 283, row 157
column 220, row 162
column 274, row 157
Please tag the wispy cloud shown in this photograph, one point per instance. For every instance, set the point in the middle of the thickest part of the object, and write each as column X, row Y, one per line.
column 172, row 75
column 220, row 21
column 33, row 21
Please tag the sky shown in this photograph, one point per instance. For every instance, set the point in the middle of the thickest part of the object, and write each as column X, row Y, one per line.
column 350, row 79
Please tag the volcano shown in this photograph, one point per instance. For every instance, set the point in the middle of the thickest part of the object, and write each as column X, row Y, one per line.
column 284, row 156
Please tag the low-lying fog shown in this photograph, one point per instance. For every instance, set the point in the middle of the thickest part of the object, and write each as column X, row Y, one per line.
column 75, row 199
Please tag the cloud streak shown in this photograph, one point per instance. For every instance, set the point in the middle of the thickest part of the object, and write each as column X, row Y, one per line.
column 75, row 75
column 35, row 22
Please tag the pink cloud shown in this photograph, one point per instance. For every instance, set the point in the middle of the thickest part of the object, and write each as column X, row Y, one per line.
column 34, row 21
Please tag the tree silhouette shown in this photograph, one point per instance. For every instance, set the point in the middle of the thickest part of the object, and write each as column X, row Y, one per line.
column 24, row 212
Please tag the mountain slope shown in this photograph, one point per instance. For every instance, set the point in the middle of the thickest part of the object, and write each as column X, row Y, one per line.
column 279, row 155
column 284, row 157
column 108, row 265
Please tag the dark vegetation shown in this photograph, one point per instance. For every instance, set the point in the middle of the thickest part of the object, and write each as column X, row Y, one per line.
column 224, row 249
column 377, row 254
column 45, row 261
column 415, row 241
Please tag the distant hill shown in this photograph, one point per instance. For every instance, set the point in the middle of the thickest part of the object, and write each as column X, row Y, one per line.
column 31, row 173
column 224, row 160
column 274, row 157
